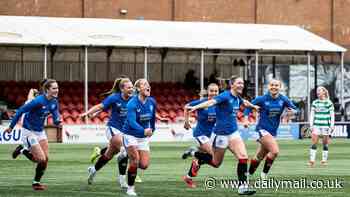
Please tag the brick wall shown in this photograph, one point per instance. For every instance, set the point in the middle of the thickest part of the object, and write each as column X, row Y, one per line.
column 327, row 18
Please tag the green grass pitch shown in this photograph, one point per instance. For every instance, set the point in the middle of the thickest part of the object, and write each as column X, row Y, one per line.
column 67, row 172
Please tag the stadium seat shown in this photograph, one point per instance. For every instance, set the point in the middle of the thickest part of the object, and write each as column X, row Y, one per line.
column 96, row 120
column 75, row 113
column 63, row 106
column 170, row 97
column 20, row 100
column 65, row 113
column 79, row 121
column 104, row 114
column 168, row 106
column 71, row 106
column 172, row 115
column 80, row 107
column 180, row 113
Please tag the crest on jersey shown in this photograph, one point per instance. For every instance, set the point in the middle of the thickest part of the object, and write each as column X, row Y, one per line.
column 119, row 104
column 280, row 103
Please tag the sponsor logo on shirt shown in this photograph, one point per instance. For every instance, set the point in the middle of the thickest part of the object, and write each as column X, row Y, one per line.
column 145, row 117
column 211, row 117
column 321, row 109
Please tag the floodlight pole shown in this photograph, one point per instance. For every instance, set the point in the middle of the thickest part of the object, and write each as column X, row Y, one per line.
column 86, row 101
column 45, row 61
column 342, row 81
column 145, row 74
column 202, row 70
column 308, row 85
column 256, row 74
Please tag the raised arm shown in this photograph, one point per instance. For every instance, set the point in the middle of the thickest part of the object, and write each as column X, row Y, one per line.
column 290, row 105
column 291, row 108
column 93, row 110
column 187, row 113
column 105, row 104
column 203, row 105
column 255, row 104
column 25, row 108
column 248, row 104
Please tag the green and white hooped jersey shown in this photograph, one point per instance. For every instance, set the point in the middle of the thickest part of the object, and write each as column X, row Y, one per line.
column 323, row 110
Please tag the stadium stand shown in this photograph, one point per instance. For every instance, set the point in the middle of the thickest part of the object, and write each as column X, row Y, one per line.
column 171, row 98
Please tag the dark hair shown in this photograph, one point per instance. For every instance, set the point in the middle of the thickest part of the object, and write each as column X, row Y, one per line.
column 47, row 84
column 41, row 84
column 117, row 85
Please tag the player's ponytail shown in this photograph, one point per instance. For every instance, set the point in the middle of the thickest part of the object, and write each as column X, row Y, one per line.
column 116, row 86
column 41, row 84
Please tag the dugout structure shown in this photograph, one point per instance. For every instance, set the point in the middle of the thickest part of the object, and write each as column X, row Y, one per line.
column 251, row 42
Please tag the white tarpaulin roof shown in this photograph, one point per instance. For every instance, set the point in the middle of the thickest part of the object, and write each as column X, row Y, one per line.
column 22, row 30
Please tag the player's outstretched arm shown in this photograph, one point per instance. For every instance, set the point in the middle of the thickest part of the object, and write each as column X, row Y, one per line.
column 250, row 105
column 203, row 105
column 92, row 111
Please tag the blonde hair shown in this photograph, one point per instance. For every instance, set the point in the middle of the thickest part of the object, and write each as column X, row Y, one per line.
column 117, row 85
column 123, row 82
column 324, row 89
column 138, row 84
column 274, row 79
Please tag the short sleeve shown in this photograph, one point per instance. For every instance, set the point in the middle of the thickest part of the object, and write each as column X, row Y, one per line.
column 107, row 102
column 195, row 102
column 222, row 97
